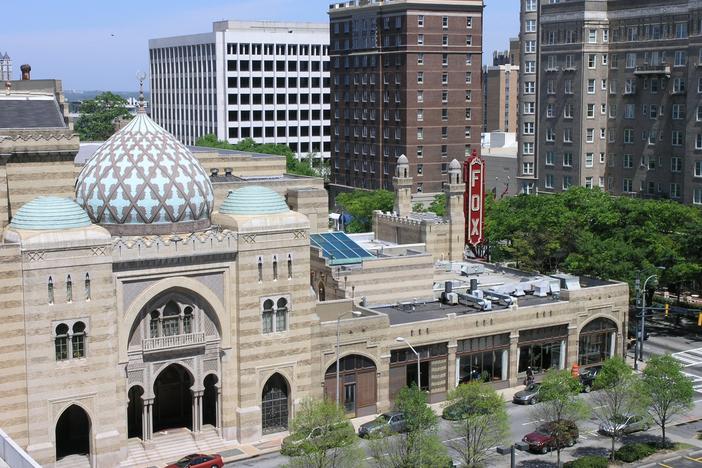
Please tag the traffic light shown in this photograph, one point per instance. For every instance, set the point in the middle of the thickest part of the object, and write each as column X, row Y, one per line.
column 667, row 310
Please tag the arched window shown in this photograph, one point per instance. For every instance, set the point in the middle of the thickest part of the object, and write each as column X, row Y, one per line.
column 171, row 317
column 289, row 266
column 78, row 340
column 275, row 268
column 50, row 290
column 153, row 324
column 260, row 269
column 69, row 289
column 87, row 287
column 268, row 316
column 188, row 320
column 281, row 315
column 61, row 342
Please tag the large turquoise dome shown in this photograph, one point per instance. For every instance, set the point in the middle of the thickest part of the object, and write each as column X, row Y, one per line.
column 253, row 200
column 50, row 213
column 143, row 181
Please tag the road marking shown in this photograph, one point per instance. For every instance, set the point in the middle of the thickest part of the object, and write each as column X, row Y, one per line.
column 689, row 357
column 532, row 422
column 696, row 381
column 665, row 466
column 698, row 460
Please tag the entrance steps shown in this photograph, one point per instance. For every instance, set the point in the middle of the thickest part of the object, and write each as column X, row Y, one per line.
column 172, row 444
column 73, row 461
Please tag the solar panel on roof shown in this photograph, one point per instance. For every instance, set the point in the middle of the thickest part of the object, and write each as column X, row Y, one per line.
column 339, row 248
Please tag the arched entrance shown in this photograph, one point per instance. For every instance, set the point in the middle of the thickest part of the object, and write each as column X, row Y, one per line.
column 357, row 385
column 72, row 432
column 275, row 404
column 597, row 341
column 135, row 411
column 210, row 400
column 173, row 400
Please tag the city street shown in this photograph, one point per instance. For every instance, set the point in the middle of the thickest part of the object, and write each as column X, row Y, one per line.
column 684, row 343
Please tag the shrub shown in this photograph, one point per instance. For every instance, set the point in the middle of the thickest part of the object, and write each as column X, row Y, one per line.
column 590, row 461
column 633, row 452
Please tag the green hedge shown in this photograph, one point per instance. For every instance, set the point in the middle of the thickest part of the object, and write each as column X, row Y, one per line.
column 590, row 461
column 634, row 452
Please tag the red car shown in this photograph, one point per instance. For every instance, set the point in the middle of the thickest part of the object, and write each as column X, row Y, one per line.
column 543, row 439
column 198, row 460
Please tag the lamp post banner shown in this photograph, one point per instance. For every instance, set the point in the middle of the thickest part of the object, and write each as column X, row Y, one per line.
column 474, row 174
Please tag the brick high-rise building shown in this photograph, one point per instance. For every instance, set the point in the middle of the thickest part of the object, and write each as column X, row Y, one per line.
column 617, row 97
column 405, row 79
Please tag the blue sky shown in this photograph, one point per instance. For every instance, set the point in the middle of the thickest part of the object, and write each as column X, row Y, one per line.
column 96, row 44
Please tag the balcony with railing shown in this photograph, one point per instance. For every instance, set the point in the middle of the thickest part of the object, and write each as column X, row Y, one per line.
column 184, row 341
column 648, row 69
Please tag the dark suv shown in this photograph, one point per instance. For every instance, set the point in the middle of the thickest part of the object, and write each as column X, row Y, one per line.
column 588, row 376
column 544, row 439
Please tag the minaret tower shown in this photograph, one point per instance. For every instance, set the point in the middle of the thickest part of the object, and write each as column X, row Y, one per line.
column 454, row 191
column 403, row 187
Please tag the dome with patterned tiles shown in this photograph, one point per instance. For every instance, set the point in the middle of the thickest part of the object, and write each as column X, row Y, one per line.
column 143, row 181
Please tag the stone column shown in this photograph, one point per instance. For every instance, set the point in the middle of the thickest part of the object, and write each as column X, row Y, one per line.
column 453, row 366
column 218, row 408
column 147, row 424
column 573, row 347
column 613, row 344
column 513, row 358
column 197, row 410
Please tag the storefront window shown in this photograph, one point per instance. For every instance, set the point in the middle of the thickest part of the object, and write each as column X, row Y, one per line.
column 485, row 358
column 596, row 341
column 542, row 348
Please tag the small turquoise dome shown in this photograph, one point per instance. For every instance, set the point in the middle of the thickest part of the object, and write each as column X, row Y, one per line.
column 253, row 200
column 50, row 213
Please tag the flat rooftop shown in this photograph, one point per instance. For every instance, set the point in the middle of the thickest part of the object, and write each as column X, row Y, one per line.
column 410, row 312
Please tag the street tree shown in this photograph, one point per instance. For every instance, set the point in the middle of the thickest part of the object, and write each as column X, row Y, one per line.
column 483, row 425
column 618, row 397
column 98, row 115
column 292, row 164
column 360, row 204
column 321, row 437
column 667, row 390
column 560, row 406
column 419, row 446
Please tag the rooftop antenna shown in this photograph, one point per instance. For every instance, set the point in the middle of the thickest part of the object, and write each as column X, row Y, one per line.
column 141, row 76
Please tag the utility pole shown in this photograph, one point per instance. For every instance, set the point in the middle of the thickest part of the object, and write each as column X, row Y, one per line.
column 637, row 295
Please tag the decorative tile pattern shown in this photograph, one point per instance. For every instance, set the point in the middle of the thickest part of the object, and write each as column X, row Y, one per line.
column 143, row 175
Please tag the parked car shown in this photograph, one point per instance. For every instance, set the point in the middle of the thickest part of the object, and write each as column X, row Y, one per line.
column 624, row 424
column 393, row 421
column 528, row 396
column 588, row 376
column 543, row 439
column 198, row 460
column 293, row 441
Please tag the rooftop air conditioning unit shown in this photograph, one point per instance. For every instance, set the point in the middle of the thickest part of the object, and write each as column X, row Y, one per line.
column 452, row 298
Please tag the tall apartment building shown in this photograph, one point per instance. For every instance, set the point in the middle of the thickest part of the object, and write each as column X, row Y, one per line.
column 500, row 86
column 263, row 80
column 405, row 80
column 619, row 98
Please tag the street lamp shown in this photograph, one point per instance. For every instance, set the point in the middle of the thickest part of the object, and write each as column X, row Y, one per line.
column 419, row 370
column 643, row 313
column 355, row 313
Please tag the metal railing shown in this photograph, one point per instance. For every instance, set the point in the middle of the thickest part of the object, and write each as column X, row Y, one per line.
column 172, row 341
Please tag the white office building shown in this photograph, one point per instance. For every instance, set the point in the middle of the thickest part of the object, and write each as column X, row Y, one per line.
column 265, row 80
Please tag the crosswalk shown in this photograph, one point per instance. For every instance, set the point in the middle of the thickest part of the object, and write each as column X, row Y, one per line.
column 690, row 357
column 696, row 381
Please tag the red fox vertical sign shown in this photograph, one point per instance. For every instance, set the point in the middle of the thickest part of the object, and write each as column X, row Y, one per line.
column 473, row 173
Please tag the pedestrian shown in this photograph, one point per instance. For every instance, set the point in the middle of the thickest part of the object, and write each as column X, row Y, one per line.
column 529, row 376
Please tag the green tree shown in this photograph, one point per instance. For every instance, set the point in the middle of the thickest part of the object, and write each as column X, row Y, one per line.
column 560, row 406
column 485, row 423
column 438, row 205
column 419, row 446
column 97, row 116
column 360, row 204
column 321, row 437
column 292, row 165
column 618, row 396
column 666, row 389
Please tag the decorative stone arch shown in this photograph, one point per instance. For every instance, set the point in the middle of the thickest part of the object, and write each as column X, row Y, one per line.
column 365, row 354
column 276, row 405
column 597, row 345
column 357, row 386
column 181, row 363
column 181, row 283
column 68, row 440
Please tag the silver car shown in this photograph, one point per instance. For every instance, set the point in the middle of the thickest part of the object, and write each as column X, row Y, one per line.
column 624, row 425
